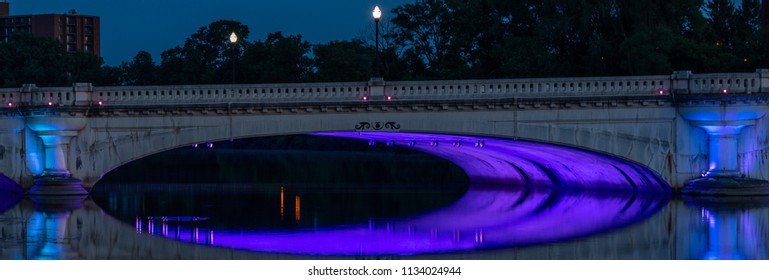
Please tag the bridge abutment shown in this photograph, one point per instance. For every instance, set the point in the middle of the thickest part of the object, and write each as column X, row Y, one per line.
column 56, row 143
column 722, row 146
column 724, row 125
column 56, row 133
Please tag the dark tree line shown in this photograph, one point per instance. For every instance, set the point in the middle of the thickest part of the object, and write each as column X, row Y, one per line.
column 534, row 38
column 439, row 39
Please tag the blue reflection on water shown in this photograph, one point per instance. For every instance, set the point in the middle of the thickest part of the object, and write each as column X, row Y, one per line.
column 732, row 228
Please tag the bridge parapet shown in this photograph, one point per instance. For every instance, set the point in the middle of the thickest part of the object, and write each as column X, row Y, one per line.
column 681, row 82
column 530, row 88
column 246, row 93
column 721, row 83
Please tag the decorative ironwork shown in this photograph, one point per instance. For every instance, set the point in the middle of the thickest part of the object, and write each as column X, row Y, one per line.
column 392, row 126
column 378, row 126
column 363, row 126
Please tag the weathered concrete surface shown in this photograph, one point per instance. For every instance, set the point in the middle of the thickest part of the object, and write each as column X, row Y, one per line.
column 642, row 134
column 753, row 149
column 13, row 153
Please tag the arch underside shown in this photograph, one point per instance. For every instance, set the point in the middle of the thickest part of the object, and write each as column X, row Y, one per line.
column 521, row 193
column 488, row 160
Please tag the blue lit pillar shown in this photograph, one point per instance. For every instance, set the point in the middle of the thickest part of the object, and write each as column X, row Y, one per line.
column 722, row 146
column 56, row 133
column 723, row 121
column 56, row 144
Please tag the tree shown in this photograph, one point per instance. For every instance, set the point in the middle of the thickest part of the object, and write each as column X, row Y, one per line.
column 746, row 40
column 278, row 59
column 28, row 59
column 426, row 32
column 206, row 55
column 176, row 67
column 109, row 76
column 342, row 61
column 720, row 16
column 140, row 71
column 647, row 52
column 82, row 67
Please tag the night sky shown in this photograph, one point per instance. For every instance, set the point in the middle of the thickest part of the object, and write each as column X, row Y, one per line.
column 130, row 26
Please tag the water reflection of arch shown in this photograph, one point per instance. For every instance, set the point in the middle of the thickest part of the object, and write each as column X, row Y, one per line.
column 679, row 231
column 485, row 218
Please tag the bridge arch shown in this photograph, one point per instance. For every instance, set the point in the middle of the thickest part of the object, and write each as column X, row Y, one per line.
column 493, row 160
column 107, row 143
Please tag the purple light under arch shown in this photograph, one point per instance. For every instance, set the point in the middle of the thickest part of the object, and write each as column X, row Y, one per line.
column 488, row 160
column 522, row 193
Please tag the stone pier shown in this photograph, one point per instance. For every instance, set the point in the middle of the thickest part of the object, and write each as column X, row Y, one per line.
column 723, row 123
column 56, row 133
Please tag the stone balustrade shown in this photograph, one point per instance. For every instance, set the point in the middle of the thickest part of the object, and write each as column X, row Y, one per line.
column 679, row 83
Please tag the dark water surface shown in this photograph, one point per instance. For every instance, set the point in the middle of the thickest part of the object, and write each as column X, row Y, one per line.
column 304, row 197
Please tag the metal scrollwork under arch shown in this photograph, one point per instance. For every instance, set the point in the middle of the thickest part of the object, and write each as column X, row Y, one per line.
column 377, row 126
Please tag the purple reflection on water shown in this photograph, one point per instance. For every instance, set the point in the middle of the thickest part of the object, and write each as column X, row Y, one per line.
column 485, row 218
column 523, row 193
column 10, row 193
column 519, row 162
column 8, row 200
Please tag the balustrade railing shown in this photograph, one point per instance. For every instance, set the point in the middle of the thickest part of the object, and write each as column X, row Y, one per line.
column 679, row 83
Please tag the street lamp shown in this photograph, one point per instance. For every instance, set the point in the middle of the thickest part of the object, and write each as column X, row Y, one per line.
column 233, row 41
column 377, row 13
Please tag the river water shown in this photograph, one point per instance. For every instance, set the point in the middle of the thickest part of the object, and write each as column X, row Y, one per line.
column 303, row 197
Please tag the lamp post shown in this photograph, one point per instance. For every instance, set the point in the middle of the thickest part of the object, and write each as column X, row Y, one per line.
column 233, row 41
column 377, row 15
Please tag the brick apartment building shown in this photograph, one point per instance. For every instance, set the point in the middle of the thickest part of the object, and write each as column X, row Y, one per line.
column 75, row 32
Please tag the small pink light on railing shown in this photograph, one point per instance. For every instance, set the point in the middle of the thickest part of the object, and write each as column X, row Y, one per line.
column 365, row 98
column 101, row 103
column 661, row 92
column 723, row 91
column 389, row 98
column 10, row 104
column 50, row 103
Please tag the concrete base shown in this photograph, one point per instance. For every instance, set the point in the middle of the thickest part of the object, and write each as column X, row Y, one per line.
column 52, row 203
column 726, row 186
column 728, row 203
column 57, row 186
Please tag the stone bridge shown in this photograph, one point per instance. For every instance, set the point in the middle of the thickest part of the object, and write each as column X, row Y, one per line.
column 641, row 129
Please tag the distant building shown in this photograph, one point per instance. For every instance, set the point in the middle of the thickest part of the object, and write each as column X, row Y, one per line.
column 75, row 32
